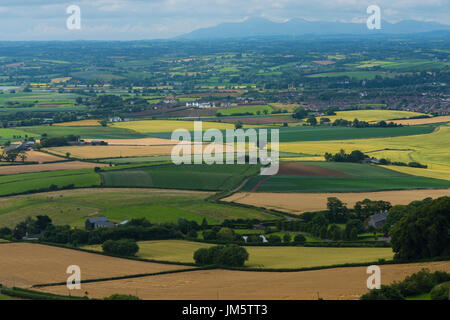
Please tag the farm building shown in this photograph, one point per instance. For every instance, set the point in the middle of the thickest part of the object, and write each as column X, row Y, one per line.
column 377, row 220
column 99, row 222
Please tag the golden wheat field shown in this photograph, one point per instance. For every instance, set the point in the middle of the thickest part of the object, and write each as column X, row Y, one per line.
column 337, row 283
column 304, row 202
column 412, row 122
column 95, row 152
column 79, row 123
column 41, row 156
column 372, row 115
column 26, row 264
column 152, row 126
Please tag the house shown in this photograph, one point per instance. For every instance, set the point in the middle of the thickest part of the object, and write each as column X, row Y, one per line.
column 32, row 236
column 377, row 220
column 115, row 119
column 99, row 143
column 99, row 222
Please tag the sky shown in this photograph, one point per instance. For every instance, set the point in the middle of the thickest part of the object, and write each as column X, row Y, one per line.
column 160, row 19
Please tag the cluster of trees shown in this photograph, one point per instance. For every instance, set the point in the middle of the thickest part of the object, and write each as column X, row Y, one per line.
column 418, row 283
column 28, row 226
column 354, row 156
column 12, row 155
column 60, row 141
column 221, row 234
column 412, row 164
column 363, row 124
column 423, row 230
column 136, row 229
column 122, row 247
column 229, row 256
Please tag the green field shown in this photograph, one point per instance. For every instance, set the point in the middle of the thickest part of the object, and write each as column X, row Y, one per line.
column 30, row 182
column 191, row 177
column 73, row 207
column 85, row 132
column 362, row 177
column 265, row 257
column 368, row 75
column 7, row 134
column 323, row 133
column 245, row 109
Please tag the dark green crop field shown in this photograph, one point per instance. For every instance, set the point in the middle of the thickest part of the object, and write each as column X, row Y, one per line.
column 361, row 178
column 190, row 177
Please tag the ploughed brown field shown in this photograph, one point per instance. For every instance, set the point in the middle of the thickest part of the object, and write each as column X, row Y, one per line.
column 337, row 283
column 298, row 169
column 27, row 264
column 71, row 165
column 41, row 157
column 304, row 202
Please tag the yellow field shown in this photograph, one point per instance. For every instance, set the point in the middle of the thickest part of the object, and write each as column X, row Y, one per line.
column 152, row 126
column 26, row 264
column 264, row 257
column 118, row 151
column 303, row 202
column 336, row 284
column 371, row 115
column 95, row 152
column 80, row 123
column 59, row 80
column 412, row 122
column 429, row 173
column 431, row 149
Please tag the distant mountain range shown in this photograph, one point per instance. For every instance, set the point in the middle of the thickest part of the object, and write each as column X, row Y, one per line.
column 259, row 27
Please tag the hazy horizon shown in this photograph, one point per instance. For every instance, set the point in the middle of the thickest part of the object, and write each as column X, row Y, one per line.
column 23, row 20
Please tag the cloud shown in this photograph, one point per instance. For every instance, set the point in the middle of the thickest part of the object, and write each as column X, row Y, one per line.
column 139, row 19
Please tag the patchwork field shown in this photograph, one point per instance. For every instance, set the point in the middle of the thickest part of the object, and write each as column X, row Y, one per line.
column 304, row 202
column 73, row 207
column 429, row 149
column 264, row 257
column 25, row 264
column 336, row 284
